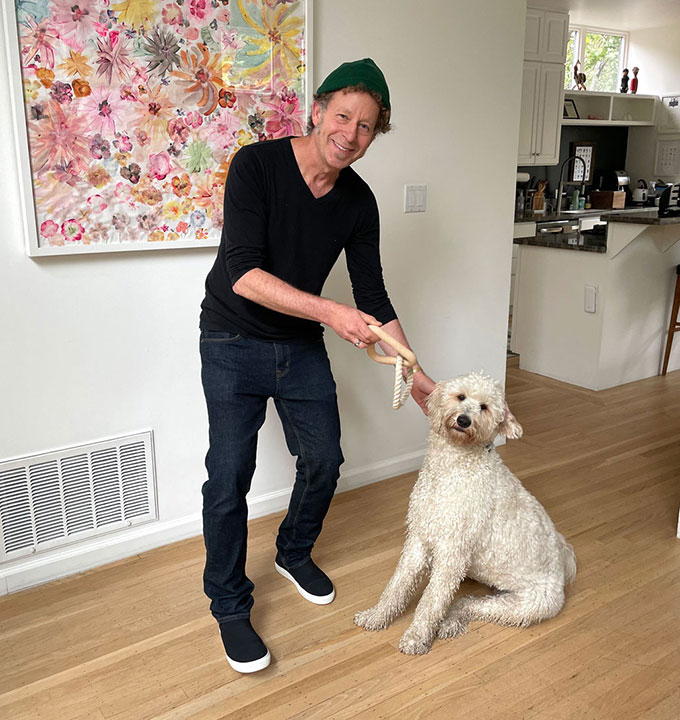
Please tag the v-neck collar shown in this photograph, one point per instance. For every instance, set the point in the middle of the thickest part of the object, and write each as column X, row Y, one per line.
column 303, row 182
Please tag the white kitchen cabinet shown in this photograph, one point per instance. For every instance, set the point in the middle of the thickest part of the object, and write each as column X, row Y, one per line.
column 541, row 113
column 546, row 33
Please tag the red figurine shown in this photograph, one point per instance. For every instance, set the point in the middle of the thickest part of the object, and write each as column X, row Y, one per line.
column 634, row 81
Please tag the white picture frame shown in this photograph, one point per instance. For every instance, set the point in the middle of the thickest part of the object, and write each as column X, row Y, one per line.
column 33, row 215
column 667, row 160
column 669, row 116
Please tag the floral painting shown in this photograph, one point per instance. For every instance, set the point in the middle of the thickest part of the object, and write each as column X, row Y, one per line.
column 135, row 108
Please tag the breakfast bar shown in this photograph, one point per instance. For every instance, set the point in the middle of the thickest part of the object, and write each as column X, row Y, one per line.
column 599, row 319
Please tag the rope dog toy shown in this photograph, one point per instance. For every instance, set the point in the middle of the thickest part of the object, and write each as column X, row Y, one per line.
column 404, row 356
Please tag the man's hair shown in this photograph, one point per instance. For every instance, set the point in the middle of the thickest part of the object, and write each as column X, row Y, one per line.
column 382, row 124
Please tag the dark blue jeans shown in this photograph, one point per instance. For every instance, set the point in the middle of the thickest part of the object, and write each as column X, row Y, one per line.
column 239, row 375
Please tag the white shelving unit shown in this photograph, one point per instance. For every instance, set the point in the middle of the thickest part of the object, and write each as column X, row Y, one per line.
column 597, row 108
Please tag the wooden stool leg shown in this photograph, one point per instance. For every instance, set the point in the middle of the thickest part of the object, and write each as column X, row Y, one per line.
column 673, row 325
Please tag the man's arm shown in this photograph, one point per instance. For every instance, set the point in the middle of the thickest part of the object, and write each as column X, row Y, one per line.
column 423, row 385
column 349, row 323
column 268, row 290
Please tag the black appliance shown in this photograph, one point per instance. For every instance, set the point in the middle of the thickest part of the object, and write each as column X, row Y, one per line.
column 669, row 202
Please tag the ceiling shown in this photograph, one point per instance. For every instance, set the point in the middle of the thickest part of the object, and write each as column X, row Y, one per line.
column 616, row 14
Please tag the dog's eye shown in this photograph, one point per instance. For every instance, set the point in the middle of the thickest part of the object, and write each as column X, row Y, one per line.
column 483, row 406
column 461, row 397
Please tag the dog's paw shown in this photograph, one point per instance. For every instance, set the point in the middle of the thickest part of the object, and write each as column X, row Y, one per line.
column 451, row 627
column 371, row 619
column 414, row 643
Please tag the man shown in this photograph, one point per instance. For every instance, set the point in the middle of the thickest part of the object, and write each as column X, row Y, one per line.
column 290, row 207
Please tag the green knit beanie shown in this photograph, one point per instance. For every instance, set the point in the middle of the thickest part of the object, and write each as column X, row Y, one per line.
column 359, row 72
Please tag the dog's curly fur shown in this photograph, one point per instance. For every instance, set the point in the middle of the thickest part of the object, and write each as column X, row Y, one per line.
column 470, row 516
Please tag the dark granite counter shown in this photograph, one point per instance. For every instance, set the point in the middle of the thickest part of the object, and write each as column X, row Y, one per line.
column 587, row 242
column 596, row 247
column 576, row 214
column 641, row 217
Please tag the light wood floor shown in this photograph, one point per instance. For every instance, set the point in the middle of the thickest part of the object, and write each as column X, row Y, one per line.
column 133, row 640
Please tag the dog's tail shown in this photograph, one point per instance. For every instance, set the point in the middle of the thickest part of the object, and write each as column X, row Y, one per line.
column 569, row 560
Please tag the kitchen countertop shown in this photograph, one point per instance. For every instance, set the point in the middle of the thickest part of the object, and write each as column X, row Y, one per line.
column 641, row 217
column 576, row 214
column 525, row 226
column 592, row 246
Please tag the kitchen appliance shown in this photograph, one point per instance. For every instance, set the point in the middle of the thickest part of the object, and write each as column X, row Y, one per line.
column 622, row 179
column 640, row 193
column 656, row 190
column 586, row 231
column 558, row 232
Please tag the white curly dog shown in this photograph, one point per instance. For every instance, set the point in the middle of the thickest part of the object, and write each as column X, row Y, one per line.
column 469, row 516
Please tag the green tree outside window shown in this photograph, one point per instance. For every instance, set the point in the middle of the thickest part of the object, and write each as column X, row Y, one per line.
column 601, row 55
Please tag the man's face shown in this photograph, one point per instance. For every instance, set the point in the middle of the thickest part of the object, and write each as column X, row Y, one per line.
column 345, row 129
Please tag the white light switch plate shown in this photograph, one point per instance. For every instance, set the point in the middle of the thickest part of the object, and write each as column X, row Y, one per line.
column 590, row 298
column 415, row 198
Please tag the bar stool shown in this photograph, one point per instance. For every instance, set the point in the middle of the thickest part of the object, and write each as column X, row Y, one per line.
column 674, row 325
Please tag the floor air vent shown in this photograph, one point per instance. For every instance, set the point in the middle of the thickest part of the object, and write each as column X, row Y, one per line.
column 61, row 497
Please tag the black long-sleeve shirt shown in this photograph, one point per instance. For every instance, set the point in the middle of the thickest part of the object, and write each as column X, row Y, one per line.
column 273, row 221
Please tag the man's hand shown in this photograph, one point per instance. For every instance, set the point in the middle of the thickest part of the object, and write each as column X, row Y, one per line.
column 352, row 325
column 423, row 385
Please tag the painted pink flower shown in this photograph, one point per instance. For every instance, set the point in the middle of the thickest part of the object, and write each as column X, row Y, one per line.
column 142, row 137
column 100, row 29
column 123, row 143
column 191, row 33
column 159, row 165
column 49, row 228
column 221, row 130
column 38, row 40
column 75, row 20
column 172, row 15
column 103, row 109
column 72, row 230
column 223, row 15
column 182, row 227
column 232, row 38
column 198, row 8
column 283, row 118
column 178, row 130
column 97, row 203
column 193, row 119
column 59, row 139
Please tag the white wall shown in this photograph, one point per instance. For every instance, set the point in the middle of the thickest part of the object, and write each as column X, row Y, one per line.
column 656, row 52
column 97, row 346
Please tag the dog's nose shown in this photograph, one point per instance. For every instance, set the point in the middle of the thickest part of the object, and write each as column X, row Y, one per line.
column 464, row 421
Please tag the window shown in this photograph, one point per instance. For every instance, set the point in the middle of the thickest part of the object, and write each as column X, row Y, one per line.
column 602, row 54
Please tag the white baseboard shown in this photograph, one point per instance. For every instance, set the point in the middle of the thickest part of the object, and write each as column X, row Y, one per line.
column 24, row 573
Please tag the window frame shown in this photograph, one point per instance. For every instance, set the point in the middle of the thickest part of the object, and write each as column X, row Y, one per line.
column 580, row 48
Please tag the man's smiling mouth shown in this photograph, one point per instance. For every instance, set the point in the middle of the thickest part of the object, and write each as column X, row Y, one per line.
column 340, row 147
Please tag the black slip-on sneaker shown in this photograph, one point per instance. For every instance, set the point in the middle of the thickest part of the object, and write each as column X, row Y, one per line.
column 311, row 582
column 246, row 653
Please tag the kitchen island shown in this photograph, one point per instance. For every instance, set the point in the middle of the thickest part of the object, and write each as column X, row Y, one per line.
column 599, row 319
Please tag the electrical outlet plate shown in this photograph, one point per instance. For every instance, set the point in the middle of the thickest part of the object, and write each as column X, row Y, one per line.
column 590, row 298
column 415, row 198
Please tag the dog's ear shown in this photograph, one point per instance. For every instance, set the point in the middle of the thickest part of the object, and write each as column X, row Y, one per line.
column 509, row 426
column 435, row 407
